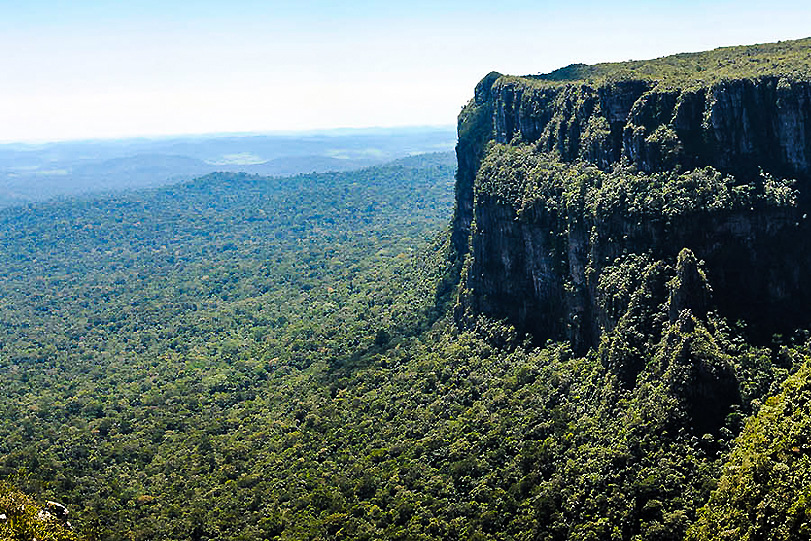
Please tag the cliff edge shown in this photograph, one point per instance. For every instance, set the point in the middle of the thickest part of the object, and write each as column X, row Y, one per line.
column 571, row 184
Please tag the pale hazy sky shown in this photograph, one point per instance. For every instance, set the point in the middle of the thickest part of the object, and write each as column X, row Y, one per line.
column 91, row 69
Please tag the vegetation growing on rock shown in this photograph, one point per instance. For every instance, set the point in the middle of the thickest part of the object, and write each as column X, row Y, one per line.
column 763, row 492
column 23, row 519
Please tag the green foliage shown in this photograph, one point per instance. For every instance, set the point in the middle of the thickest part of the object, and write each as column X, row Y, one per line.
column 526, row 179
column 157, row 346
column 787, row 59
column 251, row 358
column 764, row 492
column 22, row 519
column 648, row 420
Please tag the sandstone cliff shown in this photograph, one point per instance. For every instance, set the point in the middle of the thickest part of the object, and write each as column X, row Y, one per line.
column 563, row 177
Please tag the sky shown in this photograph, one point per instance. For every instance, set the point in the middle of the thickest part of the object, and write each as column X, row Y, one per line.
column 90, row 69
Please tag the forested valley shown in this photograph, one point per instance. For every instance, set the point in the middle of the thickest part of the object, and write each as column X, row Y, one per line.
column 167, row 355
column 243, row 357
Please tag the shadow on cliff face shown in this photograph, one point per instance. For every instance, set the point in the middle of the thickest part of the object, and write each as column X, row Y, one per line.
column 541, row 268
column 758, row 268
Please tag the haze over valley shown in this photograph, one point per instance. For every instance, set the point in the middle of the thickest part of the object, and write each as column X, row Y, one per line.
column 35, row 172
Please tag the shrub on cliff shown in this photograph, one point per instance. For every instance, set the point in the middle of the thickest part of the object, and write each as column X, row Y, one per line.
column 23, row 519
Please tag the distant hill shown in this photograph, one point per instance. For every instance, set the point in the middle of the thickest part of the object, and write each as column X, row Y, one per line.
column 38, row 172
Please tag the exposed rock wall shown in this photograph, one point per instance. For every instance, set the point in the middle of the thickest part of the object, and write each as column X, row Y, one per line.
column 475, row 130
column 542, row 275
column 737, row 126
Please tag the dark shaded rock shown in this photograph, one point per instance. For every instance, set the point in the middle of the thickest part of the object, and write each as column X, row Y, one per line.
column 474, row 127
column 698, row 374
column 58, row 510
column 689, row 289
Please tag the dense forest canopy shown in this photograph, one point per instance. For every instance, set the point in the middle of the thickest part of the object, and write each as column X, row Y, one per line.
column 138, row 328
column 251, row 358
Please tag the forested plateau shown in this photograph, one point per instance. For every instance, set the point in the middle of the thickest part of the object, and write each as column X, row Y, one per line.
column 608, row 342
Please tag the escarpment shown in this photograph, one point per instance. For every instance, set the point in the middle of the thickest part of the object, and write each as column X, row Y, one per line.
column 563, row 177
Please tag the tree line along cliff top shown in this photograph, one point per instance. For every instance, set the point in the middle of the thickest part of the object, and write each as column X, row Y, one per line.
column 786, row 59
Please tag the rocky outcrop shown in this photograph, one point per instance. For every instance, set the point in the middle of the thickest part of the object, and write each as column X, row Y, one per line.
column 689, row 289
column 539, row 266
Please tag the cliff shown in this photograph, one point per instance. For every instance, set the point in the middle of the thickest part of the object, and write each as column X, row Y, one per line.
column 564, row 177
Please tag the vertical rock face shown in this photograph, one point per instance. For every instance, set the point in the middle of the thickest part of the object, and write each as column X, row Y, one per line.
column 739, row 126
column 475, row 126
column 539, row 265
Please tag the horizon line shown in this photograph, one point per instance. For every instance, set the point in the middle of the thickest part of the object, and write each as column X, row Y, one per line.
column 336, row 131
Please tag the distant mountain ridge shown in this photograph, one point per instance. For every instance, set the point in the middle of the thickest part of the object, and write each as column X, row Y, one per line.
column 34, row 172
